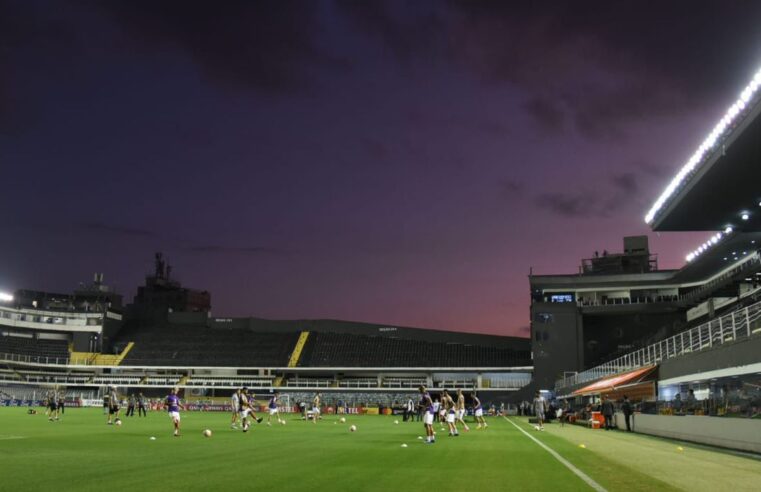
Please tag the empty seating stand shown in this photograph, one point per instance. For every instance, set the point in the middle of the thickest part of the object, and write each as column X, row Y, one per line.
column 39, row 350
column 326, row 349
column 194, row 346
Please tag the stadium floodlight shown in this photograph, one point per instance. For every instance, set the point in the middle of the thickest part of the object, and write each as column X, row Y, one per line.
column 728, row 230
column 716, row 135
column 745, row 216
column 5, row 297
column 690, row 257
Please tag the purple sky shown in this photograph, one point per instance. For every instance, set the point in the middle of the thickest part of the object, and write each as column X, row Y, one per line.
column 395, row 162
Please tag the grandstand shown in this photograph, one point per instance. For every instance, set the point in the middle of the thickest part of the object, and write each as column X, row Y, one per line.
column 154, row 347
column 347, row 350
column 31, row 345
column 189, row 345
column 679, row 342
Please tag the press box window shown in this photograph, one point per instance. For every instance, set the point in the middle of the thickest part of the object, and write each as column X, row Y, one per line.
column 561, row 298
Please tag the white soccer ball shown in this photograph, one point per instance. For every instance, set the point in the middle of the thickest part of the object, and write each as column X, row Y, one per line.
column 117, row 422
column 404, row 445
column 353, row 428
column 396, row 421
column 343, row 420
column 282, row 422
column 207, row 433
column 152, row 438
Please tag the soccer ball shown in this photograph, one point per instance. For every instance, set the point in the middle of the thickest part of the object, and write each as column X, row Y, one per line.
column 353, row 428
column 396, row 421
column 343, row 420
column 282, row 422
column 207, row 433
column 117, row 422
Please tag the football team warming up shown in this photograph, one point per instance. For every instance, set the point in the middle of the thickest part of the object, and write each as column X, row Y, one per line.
column 449, row 409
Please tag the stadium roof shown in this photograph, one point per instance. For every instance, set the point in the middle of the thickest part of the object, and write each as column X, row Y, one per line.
column 715, row 258
column 719, row 186
column 616, row 381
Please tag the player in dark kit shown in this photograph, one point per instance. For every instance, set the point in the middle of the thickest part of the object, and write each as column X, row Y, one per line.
column 141, row 405
column 131, row 406
column 52, row 407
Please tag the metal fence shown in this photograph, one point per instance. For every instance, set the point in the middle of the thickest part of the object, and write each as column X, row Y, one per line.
column 737, row 325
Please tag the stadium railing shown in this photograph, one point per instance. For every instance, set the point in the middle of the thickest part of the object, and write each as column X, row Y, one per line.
column 737, row 325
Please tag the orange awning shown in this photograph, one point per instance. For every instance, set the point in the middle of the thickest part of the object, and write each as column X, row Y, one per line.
column 612, row 382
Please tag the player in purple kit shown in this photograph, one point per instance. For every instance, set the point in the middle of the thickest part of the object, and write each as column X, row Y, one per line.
column 173, row 406
column 273, row 410
column 478, row 412
column 427, row 403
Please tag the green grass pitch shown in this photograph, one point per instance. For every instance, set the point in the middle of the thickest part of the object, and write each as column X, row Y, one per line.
column 81, row 452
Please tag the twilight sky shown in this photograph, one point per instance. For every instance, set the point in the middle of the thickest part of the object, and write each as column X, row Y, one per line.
column 403, row 162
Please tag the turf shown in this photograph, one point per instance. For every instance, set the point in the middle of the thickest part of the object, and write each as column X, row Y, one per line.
column 81, row 452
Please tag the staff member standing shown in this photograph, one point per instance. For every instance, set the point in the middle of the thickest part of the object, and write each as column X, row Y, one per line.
column 141, row 405
column 607, row 411
column 626, row 407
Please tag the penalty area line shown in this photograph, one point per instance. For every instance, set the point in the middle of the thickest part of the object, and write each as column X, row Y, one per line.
column 589, row 481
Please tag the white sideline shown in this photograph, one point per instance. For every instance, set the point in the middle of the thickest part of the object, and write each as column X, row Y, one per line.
column 10, row 438
column 596, row 486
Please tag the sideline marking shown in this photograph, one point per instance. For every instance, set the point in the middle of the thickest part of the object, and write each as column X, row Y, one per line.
column 596, row 486
column 9, row 438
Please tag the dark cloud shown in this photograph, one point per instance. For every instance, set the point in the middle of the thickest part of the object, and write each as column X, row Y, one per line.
column 29, row 37
column 240, row 43
column 247, row 250
column 626, row 183
column 548, row 115
column 410, row 29
column 105, row 228
column 569, row 204
column 607, row 64
column 621, row 192
column 375, row 148
column 509, row 188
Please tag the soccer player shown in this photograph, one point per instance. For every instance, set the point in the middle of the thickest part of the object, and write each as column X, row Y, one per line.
column 173, row 406
column 449, row 408
column 427, row 404
column 540, row 406
column 460, row 410
column 316, row 407
column 61, row 402
column 478, row 411
column 235, row 403
column 273, row 410
column 113, row 409
column 52, row 406
column 246, row 407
